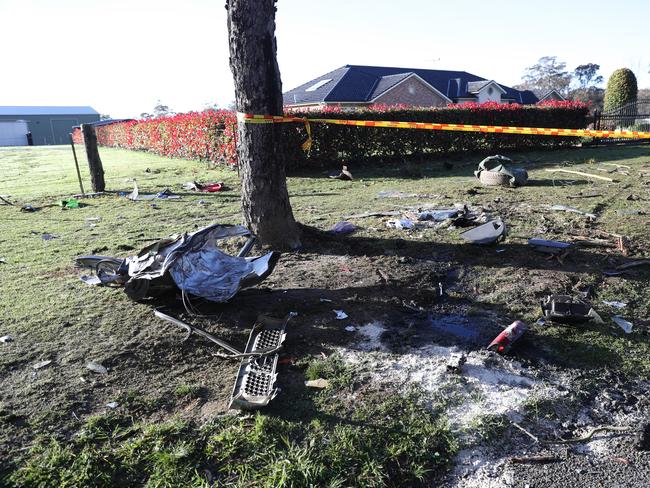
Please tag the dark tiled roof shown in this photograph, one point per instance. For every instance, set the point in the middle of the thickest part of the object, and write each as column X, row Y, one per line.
column 353, row 83
column 387, row 82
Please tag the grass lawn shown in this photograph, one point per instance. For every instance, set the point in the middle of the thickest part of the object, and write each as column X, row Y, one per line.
column 171, row 426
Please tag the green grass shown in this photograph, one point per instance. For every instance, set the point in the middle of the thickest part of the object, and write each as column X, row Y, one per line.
column 393, row 442
column 321, row 438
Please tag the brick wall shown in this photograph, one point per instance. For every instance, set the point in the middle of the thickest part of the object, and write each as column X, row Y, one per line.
column 412, row 92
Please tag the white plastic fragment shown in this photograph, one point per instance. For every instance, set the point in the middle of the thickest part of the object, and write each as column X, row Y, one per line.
column 319, row 383
column 340, row 314
column 351, row 328
column 623, row 324
column 615, row 304
column 41, row 364
column 6, row 338
column 112, row 405
column 96, row 367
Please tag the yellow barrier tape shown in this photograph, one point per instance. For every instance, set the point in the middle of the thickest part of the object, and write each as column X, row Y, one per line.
column 496, row 129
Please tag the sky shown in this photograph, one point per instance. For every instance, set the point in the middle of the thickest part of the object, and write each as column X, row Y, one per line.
column 122, row 56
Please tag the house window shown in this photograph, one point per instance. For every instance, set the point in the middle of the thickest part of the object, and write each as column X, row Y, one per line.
column 318, row 84
column 490, row 90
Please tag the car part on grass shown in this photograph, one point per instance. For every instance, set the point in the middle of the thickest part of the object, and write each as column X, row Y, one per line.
column 503, row 342
column 192, row 262
column 255, row 386
column 566, row 309
column 495, row 171
column 550, row 247
column 489, row 233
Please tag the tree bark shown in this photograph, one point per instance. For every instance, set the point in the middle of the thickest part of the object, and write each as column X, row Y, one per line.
column 94, row 161
column 258, row 90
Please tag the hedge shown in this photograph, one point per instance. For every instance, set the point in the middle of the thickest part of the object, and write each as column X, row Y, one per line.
column 210, row 135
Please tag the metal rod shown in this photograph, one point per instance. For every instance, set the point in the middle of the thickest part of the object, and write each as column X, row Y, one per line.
column 76, row 163
column 189, row 328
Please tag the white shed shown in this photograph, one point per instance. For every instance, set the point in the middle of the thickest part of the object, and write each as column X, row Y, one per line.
column 13, row 132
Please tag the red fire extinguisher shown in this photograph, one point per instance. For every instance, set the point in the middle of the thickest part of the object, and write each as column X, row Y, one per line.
column 503, row 342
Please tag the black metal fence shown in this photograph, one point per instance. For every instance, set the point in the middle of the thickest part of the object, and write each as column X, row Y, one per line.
column 633, row 116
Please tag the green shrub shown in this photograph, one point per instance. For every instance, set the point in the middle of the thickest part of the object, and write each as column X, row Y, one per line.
column 621, row 89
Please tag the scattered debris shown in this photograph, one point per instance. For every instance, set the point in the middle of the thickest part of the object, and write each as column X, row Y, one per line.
column 194, row 262
column 613, row 273
column 343, row 228
column 455, row 362
column 565, row 309
column 643, row 442
column 3, row 261
column 615, row 304
column 136, row 196
column 590, row 434
column 6, row 338
column 42, row 364
column 207, row 188
column 383, row 275
column 319, row 383
column 5, row 201
column 630, row 212
column 343, row 175
column 439, row 215
column 96, row 367
column 28, row 208
column 70, row 203
column 112, row 405
column 488, row 233
column 390, row 213
column 350, row 328
column 623, row 324
column 587, row 195
column 633, row 264
column 340, row 314
column 48, row 237
column 326, row 300
column 525, row 431
column 564, row 208
column 400, row 224
column 401, row 194
column 535, row 459
column 503, row 342
column 494, row 171
column 93, row 219
column 579, row 173
column 550, row 247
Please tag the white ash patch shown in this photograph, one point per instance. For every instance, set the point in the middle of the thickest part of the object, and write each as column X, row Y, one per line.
column 486, row 385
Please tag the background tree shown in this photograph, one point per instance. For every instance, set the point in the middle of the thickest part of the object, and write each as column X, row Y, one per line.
column 548, row 74
column 621, row 89
column 161, row 110
column 587, row 75
column 258, row 90
column 586, row 78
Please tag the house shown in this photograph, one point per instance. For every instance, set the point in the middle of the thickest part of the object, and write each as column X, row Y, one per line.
column 548, row 96
column 47, row 124
column 358, row 86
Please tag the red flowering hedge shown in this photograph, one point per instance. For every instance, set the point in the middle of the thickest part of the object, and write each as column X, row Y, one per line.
column 210, row 135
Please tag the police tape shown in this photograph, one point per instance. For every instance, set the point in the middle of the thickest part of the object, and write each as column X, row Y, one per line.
column 491, row 129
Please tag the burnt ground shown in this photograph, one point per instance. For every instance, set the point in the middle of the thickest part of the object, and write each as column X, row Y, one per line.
column 598, row 375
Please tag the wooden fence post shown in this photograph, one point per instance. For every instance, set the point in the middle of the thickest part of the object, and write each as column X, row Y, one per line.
column 94, row 162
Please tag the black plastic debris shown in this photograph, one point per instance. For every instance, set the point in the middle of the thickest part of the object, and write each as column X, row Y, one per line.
column 565, row 309
column 550, row 247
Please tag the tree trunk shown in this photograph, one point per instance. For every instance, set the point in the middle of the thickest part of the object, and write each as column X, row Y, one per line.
column 94, row 161
column 258, row 90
